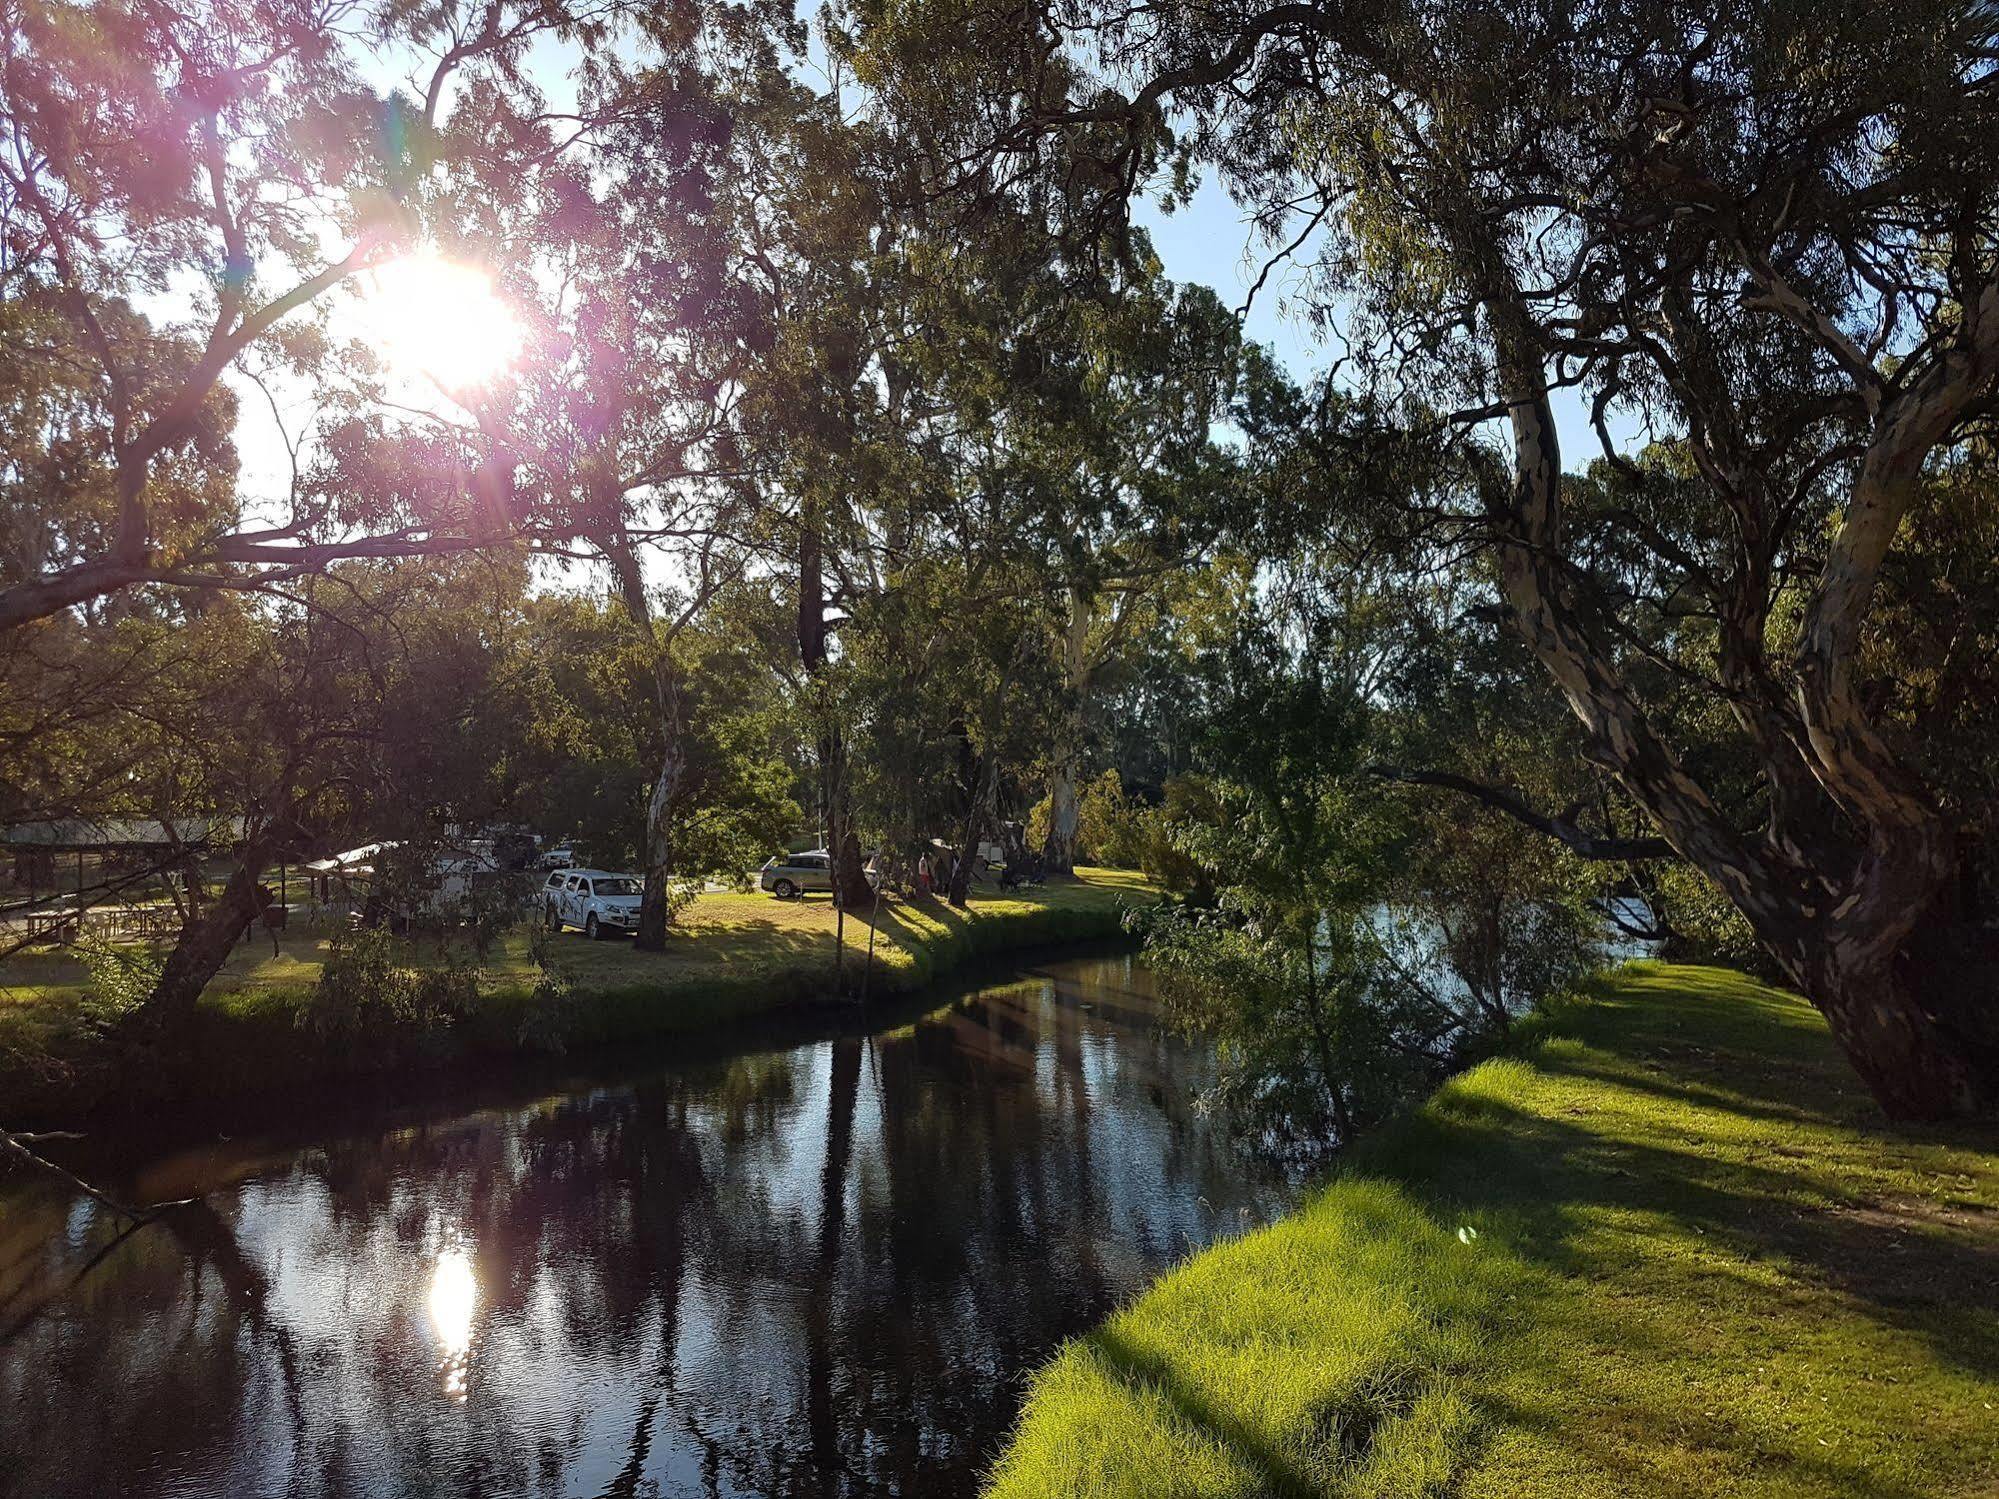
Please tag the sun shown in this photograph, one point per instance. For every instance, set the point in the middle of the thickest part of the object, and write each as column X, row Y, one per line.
column 435, row 319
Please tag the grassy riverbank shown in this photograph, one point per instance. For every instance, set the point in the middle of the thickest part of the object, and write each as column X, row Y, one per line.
column 730, row 957
column 1664, row 1248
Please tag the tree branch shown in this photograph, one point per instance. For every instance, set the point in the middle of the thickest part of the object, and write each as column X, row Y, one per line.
column 1501, row 798
column 15, row 1147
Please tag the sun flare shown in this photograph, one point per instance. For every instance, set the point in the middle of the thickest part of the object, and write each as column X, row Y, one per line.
column 434, row 318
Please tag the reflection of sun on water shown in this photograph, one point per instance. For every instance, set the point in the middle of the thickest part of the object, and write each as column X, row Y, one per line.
column 433, row 317
column 454, row 1293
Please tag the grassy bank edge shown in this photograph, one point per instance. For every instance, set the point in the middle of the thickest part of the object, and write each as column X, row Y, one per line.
column 1661, row 1246
column 736, row 958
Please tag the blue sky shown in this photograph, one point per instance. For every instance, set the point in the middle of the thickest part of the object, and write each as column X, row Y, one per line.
column 1209, row 241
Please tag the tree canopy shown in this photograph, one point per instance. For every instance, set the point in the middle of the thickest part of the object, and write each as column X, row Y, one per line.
column 856, row 475
column 1764, row 239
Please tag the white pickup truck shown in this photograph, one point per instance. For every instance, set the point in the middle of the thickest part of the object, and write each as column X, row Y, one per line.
column 596, row 900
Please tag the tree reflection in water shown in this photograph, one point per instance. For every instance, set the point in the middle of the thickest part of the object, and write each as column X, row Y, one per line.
column 816, row 1271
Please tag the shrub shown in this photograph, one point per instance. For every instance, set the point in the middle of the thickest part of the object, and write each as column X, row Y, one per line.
column 369, row 993
column 122, row 977
column 1111, row 826
column 546, row 1023
column 1190, row 803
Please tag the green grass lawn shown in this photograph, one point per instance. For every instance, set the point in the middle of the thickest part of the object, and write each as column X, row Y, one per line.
column 1664, row 1248
column 729, row 957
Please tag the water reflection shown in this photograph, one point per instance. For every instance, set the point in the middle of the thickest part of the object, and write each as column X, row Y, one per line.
column 454, row 1293
column 820, row 1270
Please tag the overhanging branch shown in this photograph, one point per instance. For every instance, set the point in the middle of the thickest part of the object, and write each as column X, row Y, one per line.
column 17, row 1148
column 1583, row 844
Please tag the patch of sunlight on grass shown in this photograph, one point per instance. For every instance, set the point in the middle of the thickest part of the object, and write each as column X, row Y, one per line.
column 1666, row 1248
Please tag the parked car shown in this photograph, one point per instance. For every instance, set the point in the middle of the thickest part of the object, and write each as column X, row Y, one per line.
column 791, row 875
column 596, row 900
column 562, row 856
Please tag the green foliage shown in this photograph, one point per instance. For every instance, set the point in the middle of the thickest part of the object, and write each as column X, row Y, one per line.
column 1359, row 945
column 1112, row 829
column 582, row 738
column 1311, row 1043
column 122, row 976
column 1489, row 910
column 761, row 382
column 1111, row 825
column 1188, row 803
column 1758, row 606
column 489, row 908
column 897, row 517
column 1705, row 926
column 372, row 994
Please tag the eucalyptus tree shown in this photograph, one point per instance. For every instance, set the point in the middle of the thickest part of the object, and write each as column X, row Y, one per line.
column 190, row 190
column 1145, row 492
column 828, row 413
column 900, row 423
column 1770, row 236
column 574, row 745
column 184, row 187
column 618, row 436
column 356, row 704
column 622, row 249
column 1046, row 533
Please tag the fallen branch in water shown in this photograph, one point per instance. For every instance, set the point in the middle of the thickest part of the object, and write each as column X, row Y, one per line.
column 18, row 1147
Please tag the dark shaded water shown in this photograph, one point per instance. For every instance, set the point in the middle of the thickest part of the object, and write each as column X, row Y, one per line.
column 825, row 1269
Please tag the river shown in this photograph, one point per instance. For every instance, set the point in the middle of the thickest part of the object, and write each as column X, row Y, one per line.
column 820, row 1267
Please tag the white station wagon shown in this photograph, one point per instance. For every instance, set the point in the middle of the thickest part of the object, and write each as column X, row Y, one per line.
column 594, row 899
column 790, row 875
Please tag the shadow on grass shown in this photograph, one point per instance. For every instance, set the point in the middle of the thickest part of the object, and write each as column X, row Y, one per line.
column 1671, row 1191
column 1277, row 1474
column 1898, row 1266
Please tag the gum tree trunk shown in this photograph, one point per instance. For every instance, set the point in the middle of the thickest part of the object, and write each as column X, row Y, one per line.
column 1912, row 1004
column 1854, row 921
column 209, row 935
column 836, row 818
column 979, row 816
column 655, row 904
column 1058, row 849
column 1066, row 762
column 843, row 844
column 1913, row 1062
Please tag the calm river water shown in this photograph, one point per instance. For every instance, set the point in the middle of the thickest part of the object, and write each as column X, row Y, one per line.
column 820, row 1269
